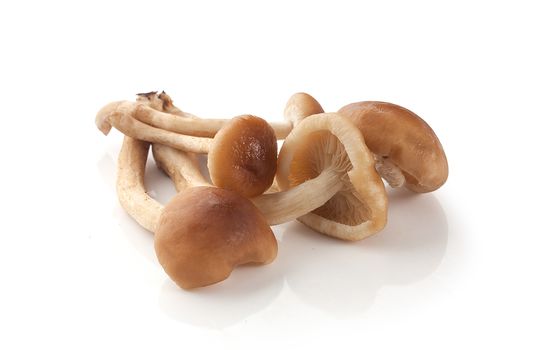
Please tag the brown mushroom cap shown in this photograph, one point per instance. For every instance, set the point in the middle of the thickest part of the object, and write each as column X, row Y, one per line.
column 204, row 232
column 402, row 137
column 243, row 156
column 300, row 106
column 328, row 142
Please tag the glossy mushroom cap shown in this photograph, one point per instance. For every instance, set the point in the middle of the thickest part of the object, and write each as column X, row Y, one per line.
column 204, row 232
column 397, row 135
column 300, row 106
column 243, row 156
column 328, row 142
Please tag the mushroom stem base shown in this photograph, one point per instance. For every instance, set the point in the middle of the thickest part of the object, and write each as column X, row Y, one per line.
column 390, row 172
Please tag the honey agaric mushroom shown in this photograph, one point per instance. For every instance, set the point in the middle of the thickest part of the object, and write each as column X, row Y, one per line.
column 168, row 117
column 194, row 251
column 238, row 163
column 224, row 173
column 242, row 156
column 406, row 148
column 323, row 167
column 329, row 146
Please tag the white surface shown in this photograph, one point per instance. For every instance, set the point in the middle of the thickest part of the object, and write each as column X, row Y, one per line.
column 452, row 269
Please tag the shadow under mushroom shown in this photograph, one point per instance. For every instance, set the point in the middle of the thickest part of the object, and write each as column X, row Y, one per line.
column 247, row 291
column 343, row 278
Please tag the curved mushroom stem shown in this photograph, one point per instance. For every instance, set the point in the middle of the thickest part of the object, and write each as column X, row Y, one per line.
column 121, row 116
column 199, row 126
column 278, row 207
column 163, row 103
column 165, row 118
column 130, row 187
column 389, row 171
column 181, row 167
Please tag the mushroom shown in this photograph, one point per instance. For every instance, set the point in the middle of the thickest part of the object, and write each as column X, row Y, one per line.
column 241, row 157
column 406, row 148
column 327, row 176
column 166, row 117
column 202, row 233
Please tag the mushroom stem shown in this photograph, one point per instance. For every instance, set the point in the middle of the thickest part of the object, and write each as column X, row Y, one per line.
column 130, row 187
column 125, row 115
column 201, row 127
column 278, row 207
column 162, row 102
column 121, row 116
column 389, row 171
column 242, row 156
column 183, row 170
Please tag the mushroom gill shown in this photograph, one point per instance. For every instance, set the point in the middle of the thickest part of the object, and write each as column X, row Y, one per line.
column 323, row 151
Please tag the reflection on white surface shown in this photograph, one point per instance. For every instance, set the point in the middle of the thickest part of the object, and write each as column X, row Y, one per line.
column 141, row 239
column 343, row 278
column 158, row 185
column 339, row 278
column 248, row 290
column 106, row 166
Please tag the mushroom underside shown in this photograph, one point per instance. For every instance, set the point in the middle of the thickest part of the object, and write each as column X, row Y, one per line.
column 324, row 152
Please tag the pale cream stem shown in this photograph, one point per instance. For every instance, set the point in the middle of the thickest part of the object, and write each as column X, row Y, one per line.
column 120, row 115
column 130, row 184
column 177, row 121
column 288, row 205
column 186, row 124
column 278, row 207
column 181, row 167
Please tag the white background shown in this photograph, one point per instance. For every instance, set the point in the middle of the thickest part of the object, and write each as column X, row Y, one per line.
column 452, row 269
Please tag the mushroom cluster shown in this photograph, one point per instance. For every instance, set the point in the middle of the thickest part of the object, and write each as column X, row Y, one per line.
column 327, row 175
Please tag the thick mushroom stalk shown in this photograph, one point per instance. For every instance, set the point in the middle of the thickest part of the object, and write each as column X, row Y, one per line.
column 174, row 123
column 120, row 115
column 130, row 184
column 183, row 176
column 325, row 168
column 167, row 117
column 407, row 150
column 193, row 250
column 277, row 207
column 180, row 166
